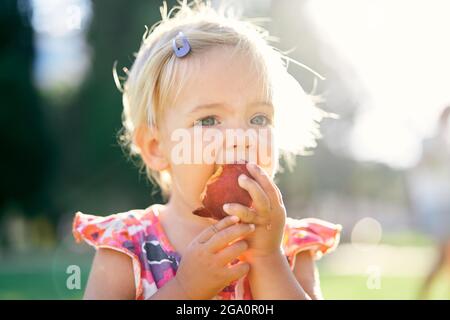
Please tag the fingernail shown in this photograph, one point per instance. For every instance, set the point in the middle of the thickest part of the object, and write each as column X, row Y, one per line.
column 234, row 218
column 252, row 226
column 243, row 177
column 226, row 206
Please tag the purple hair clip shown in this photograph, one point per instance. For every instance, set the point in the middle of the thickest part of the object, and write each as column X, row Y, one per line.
column 184, row 49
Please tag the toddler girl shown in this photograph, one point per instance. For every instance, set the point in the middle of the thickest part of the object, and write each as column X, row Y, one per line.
column 200, row 71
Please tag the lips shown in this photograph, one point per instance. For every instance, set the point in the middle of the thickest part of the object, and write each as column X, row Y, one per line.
column 223, row 187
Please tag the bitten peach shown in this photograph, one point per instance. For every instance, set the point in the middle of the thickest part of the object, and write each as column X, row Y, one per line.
column 221, row 188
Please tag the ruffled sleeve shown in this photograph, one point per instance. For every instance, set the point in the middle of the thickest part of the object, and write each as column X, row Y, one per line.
column 316, row 235
column 117, row 232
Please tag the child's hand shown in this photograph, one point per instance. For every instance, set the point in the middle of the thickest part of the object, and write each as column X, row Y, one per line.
column 267, row 212
column 204, row 270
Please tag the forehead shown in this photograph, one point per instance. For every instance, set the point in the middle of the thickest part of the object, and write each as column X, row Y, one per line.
column 219, row 75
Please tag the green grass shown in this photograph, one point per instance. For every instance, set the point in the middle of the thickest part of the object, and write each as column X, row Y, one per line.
column 355, row 287
column 402, row 288
column 35, row 286
column 44, row 285
column 407, row 238
column 43, row 276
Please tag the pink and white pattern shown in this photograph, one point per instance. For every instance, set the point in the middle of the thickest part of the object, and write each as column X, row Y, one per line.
column 138, row 234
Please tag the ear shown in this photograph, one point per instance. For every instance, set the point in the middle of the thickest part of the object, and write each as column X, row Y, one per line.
column 150, row 147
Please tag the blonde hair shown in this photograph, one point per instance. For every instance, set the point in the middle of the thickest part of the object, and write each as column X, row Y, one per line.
column 150, row 83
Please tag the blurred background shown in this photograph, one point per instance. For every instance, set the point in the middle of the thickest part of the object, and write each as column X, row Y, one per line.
column 381, row 170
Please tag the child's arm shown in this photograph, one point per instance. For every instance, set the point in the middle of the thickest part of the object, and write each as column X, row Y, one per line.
column 307, row 275
column 271, row 278
column 111, row 277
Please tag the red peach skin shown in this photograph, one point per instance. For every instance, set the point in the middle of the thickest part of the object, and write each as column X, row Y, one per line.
column 223, row 188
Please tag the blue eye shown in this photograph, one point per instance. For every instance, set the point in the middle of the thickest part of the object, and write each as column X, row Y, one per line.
column 207, row 121
column 260, row 120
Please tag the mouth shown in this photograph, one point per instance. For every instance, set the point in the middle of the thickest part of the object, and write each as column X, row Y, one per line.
column 222, row 187
column 218, row 165
column 241, row 161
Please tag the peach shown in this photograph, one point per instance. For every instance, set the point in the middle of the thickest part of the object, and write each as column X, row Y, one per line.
column 223, row 187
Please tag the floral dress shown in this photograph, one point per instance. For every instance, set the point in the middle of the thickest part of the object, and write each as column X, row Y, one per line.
column 139, row 234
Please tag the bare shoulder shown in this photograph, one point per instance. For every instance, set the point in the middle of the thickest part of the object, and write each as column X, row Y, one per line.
column 111, row 277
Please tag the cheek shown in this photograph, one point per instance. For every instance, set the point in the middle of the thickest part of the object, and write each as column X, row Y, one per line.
column 268, row 153
column 190, row 180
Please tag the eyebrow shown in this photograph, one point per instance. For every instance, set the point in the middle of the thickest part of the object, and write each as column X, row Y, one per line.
column 219, row 104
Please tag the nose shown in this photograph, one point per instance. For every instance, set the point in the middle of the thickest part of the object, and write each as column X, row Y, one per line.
column 240, row 144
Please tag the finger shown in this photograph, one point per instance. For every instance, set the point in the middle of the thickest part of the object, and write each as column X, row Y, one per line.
column 222, row 238
column 231, row 252
column 238, row 270
column 266, row 183
column 261, row 201
column 245, row 214
column 206, row 234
